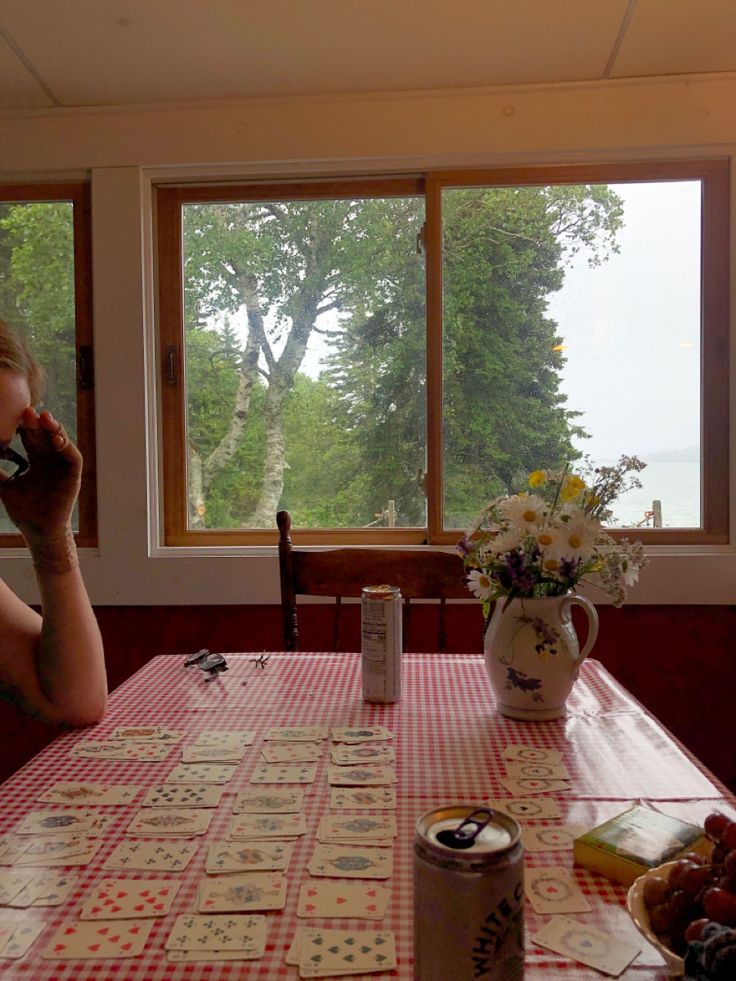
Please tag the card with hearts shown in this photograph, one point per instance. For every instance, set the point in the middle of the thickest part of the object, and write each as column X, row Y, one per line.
column 22, row 938
column 246, row 826
column 80, row 792
column 249, row 892
column 533, row 785
column 351, row 862
column 352, row 900
column 527, row 808
column 184, row 795
column 152, row 856
column 531, row 754
column 326, row 953
column 360, row 734
column 359, row 798
column 557, row 838
column 55, row 822
column 126, row 899
column 366, row 775
column 253, row 856
column 588, row 946
column 356, row 826
column 182, row 822
column 297, row 734
column 345, row 755
column 121, row 749
column 554, row 890
column 547, row 771
column 288, row 773
column 146, row 733
column 236, row 931
column 45, row 889
column 291, row 752
column 202, row 773
column 277, row 800
column 98, row 940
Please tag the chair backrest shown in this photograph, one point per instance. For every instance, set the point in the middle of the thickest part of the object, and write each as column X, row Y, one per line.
column 343, row 572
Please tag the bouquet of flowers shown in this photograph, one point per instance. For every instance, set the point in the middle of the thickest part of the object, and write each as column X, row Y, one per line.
column 544, row 541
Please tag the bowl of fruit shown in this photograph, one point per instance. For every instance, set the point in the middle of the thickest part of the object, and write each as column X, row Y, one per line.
column 687, row 908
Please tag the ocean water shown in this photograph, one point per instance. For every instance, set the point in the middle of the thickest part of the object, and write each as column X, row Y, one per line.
column 676, row 485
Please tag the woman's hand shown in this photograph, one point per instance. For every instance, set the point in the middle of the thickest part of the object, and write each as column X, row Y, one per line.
column 40, row 500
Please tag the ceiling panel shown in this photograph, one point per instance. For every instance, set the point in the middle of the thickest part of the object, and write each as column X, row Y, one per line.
column 18, row 88
column 129, row 51
column 674, row 37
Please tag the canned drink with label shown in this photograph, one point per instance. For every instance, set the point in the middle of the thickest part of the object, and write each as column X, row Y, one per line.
column 380, row 631
column 468, row 896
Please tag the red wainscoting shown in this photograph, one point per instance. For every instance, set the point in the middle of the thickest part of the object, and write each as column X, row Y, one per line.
column 679, row 661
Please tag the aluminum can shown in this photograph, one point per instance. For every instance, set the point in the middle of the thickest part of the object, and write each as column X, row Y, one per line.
column 468, row 896
column 380, row 632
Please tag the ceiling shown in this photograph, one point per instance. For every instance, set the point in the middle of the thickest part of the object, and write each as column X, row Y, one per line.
column 75, row 53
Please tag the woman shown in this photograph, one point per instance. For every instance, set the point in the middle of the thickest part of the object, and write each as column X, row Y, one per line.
column 52, row 665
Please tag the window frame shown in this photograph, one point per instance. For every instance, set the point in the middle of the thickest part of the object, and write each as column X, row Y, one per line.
column 714, row 175
column 78, row 193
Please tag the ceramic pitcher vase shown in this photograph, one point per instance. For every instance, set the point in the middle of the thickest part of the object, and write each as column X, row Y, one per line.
column 533, row 656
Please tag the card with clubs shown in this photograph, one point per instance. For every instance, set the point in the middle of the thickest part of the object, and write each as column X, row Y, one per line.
column 286, row 773
column 152, row 856
column 235, row 931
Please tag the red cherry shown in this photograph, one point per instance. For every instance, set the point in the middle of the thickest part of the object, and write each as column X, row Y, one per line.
column 715, row 824
column 655, row 890
column 720, row 906
column 680, row 866
column 693, row 879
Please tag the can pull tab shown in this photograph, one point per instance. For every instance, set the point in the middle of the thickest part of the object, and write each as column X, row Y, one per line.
column 464, row 835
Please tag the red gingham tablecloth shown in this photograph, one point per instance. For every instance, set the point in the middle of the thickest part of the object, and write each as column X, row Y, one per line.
column 449, row 742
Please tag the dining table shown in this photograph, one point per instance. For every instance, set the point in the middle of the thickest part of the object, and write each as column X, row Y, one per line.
column 449, row 742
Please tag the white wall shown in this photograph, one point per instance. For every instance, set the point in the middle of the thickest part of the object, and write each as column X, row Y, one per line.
column 125, row 150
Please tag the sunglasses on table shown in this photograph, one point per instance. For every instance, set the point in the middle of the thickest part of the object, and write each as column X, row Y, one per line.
column 9, row 455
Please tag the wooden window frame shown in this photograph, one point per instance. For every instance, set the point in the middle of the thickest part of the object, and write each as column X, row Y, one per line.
column 79, row 195
column 714, row 175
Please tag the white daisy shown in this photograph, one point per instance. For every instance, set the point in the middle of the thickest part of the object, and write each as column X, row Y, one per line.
column 578, row 536
column 526, row 511
column 479, row 584
column 505, row 541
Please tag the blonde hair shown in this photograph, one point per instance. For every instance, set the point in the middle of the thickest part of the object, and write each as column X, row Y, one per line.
column 15, row 356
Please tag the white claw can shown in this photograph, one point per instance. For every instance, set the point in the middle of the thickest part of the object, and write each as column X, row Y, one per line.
column 380, row 631
column 468, row 896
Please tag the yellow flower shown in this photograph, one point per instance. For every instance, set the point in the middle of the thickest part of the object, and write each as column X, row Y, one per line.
column 537, row 478
column 571, row 487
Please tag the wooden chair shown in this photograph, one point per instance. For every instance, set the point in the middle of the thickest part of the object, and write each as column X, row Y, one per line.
column 343, row 572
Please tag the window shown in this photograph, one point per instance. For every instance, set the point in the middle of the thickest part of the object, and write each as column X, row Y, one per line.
column 45, row 294
column 380, row 357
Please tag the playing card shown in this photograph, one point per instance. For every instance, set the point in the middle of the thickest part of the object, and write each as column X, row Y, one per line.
column 245, row 826
column 201, row 773
column 99, row 940
column 554, row 890
column 12, row 848
column 558, row 838
column 291, row 752
column 236, row 931
column 292, row 954
column 100, row 824
column 358, row 798
column 253, row 856
column 45, row 889
column 212, row 754
column 121, row 749
column 114, row 899
column 351, row 862
column 294, row 773
column 182, row 822
column 587, row 945
column 11, row 883
column 196, row 956
column 360, row 734
column 45, row 849
column 345, row 755
column 226, row 737
column 76, row 792
column 533, row 785
column 547, row 771
column 352, row 900
column 325, row 953
column 530, row 754
column 297, row 734
column 360, row 776
column 248, row 892
column 184, row 795
column 162, row 856
column 356, row 826
column 21, row 939
column 55, row 822
column 147, row 733
column 274, row 801
column 527, row 808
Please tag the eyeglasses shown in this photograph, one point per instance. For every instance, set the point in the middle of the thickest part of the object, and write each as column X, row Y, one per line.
column 10, row 456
